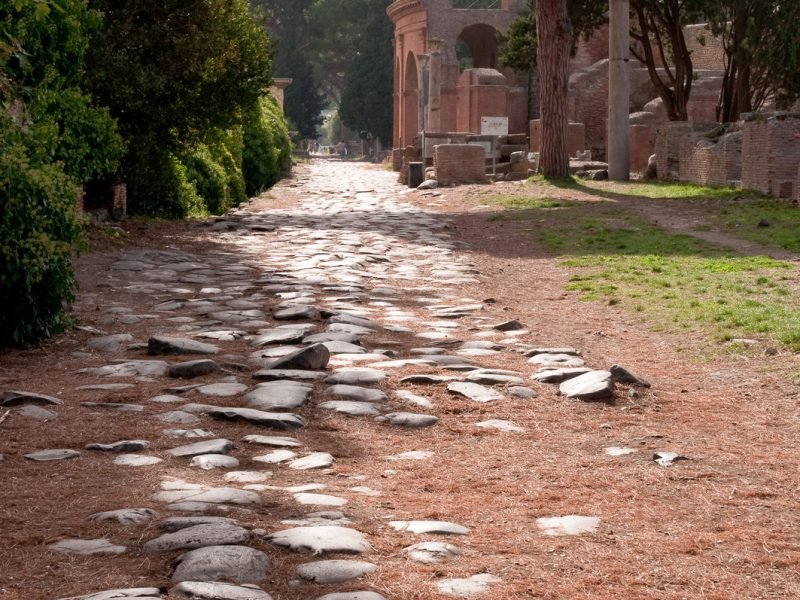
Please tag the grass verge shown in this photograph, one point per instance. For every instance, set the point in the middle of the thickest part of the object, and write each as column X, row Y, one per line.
column 780, row 222
column 675, row 281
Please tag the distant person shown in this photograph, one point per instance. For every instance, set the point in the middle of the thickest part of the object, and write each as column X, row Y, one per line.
column 341, row 148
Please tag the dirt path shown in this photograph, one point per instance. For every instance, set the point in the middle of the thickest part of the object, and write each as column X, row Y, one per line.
column 403, row 284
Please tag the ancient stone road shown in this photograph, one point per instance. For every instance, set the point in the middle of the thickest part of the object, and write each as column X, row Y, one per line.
column 334, row 298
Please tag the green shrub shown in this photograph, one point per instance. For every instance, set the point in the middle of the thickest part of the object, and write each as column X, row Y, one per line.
column 38, row 234
column 158, row 185
column 267, row 148
column 209, row 178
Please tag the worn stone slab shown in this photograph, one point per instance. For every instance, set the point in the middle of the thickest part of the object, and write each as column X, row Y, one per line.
column 274, row 420
column 512, row 325
column 559, row 375
column 296, row 312
column 624, row 375
column 121, row 594
column 167, row 345
column 188, row 433
column 356, row 376
column 278, row 336
column 319, row 499
column 32, row 411
column 525, row 393
column 352, row 408
column 432, row 552
column 501, row 425
column 119, row 406
column 553, row 350
column 239, row 564
column 17, row 398
column 110, row 343
column 589, row 387
column 272, row 440
column 407, row 419
column 278, row 396
column 209, row 462
column 412, row 455
column 557, row 360
column 198, row 536
column 421, row 527
column 412, row 398
column 425, row 379
column 210, row 496
column 178, row 523
column 355, row 393
column 324, row 538
column 569, row 525
column 468, row 587
column 178, row 416
column 292, row 374
column 125, row 516
column 200, row 590
column 218, row 446
column 193, row 368
column 130, row 368
column 615, row 451
column 493, row 378
column 52, row 455
column 275, row 457
column 668, row 459
column 352, row 596
column 136, row 460
column 335, row 571
column 121, row 446
column 474, row 391
column 311, row 358
column 316, row 460
column 222, row 390
column 86, row 547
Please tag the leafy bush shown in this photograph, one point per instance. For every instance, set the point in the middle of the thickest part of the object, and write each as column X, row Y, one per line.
column 38, row 234
column 215, row 169
column 158, row 186
column 267, row 148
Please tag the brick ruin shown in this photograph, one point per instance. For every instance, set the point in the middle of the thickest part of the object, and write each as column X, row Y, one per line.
column 447, row 76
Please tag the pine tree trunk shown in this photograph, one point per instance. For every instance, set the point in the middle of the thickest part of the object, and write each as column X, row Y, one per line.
column 554, row 32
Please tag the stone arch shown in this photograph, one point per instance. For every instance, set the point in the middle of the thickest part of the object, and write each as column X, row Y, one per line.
column 479, row 42
column 410, row 99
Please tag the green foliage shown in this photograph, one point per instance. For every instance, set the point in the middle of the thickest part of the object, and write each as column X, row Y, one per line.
column 368, row 79
column 173, row 73
column 267, row 149
column 674, row 281
column 287, row 23
column 215, row 169
column 519, row 43
column 73, row 132
column 38, row 234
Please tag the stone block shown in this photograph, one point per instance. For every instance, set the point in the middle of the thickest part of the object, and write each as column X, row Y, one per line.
column 459, row 163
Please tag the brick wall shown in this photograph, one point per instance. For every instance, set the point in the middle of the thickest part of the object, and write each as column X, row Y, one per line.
column 797, row 187
column 459, row 163
column 771, row 153
column 669, row 141
column 711, row 161
column 707, row 52
column 642, row 144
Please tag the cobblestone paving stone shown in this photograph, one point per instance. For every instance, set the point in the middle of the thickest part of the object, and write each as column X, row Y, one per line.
column 313, row 281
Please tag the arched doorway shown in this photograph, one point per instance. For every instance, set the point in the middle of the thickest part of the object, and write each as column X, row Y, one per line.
column 410, row 127
column 477, row 47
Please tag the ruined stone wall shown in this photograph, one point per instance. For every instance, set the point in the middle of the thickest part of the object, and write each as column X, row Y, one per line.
column 707, row 51
column 711, row 161
column 771, row 153
column 669, row 146
column 459, row 163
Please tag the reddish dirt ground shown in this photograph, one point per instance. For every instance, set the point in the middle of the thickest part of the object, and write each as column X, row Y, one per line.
column 722, row 525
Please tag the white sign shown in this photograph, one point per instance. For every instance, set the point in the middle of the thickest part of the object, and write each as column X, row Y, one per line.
column 494, row 125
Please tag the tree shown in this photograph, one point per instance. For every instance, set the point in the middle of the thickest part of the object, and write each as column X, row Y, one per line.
column 519, row 43
column 287, row 23
column 658, row 41
column 368, row 79
column 172, row 72
column 761, row 42
column 554, row 34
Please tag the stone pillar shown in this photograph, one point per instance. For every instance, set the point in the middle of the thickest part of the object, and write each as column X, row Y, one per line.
column 618, row 91
column 434, row 121
column 424, row 91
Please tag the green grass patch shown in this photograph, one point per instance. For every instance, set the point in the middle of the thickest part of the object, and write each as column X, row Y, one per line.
column 742, row 218
column 675, row 281
column 665, row 190
column 523, row 202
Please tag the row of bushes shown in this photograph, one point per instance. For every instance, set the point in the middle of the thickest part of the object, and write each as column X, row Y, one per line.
column 167, row 97
column 230, row 167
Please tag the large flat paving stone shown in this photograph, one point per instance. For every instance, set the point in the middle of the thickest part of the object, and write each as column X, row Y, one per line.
column 356, row 376
column 274, row 420
column 468, row 587
column 420, row 527
column 474, row 391
column 125, row 516
column 121, row 594
column 167, row 345
column 316, row 460
column 218, row 446
column 590, row 387
column 200, row 590
column 335, row 571
column 210, row 496
column 310, row 358
column 238, row 564
column 17, row 398
column 352, row 596
column 52, row 455
column 325, row 538
column 198, row 536
column 432, row 552
column 87, row 547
